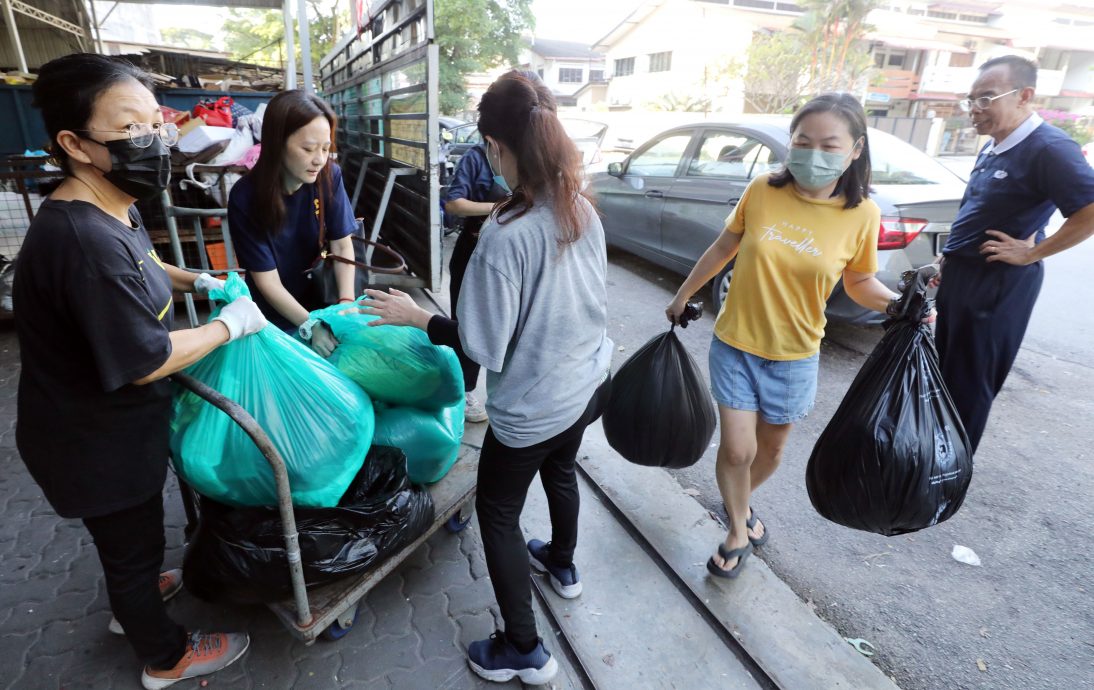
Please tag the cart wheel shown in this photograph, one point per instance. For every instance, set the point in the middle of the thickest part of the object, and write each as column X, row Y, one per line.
column 341, row 627
column 459, row 521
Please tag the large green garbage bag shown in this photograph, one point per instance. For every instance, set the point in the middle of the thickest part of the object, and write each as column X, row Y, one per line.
column 430, row 440
column 319, row 420
column 394, row 364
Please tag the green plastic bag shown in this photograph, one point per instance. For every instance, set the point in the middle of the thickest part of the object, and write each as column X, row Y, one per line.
column 393, row 364
column 430, row 440
column 319, row 420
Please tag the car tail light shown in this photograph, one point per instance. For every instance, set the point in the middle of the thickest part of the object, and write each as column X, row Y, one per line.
column 898, row 233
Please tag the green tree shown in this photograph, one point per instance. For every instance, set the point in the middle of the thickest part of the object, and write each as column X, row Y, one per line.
column 187, row 38
column 474, row 36
column 833, row 34
column 257, row 36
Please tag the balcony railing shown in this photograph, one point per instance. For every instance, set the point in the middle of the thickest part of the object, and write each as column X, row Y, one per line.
column 897, row 84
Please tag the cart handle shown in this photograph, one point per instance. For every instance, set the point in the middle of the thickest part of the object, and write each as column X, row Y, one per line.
column 281, row 477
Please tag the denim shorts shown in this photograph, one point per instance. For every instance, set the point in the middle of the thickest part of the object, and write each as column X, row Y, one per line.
column 782, row 392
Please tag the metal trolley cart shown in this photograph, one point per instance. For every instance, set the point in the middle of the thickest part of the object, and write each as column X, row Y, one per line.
column 330, row 610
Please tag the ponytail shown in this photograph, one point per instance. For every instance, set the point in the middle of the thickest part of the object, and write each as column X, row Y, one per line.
column 522, row 114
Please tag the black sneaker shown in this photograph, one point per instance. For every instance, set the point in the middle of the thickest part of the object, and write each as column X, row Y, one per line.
column 564, row 580
column 496, row 659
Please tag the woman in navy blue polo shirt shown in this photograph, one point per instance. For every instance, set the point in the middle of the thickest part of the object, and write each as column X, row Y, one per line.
column 274, row 215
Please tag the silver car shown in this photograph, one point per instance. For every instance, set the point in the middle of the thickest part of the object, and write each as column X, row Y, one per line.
column 667, row 201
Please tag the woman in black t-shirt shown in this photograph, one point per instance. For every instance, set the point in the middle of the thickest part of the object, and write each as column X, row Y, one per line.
column 93, row 314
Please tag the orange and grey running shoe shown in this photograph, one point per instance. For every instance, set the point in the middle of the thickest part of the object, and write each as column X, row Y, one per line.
column 205, row 653
column 170, row 584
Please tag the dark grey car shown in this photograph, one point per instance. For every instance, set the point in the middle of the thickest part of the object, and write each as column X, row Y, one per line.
column 667, row 201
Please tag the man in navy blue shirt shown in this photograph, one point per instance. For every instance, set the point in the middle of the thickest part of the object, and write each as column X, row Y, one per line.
column 992, row 261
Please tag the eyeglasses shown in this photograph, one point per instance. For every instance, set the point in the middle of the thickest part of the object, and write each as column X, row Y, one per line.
column 142, row 133
column 982, row 103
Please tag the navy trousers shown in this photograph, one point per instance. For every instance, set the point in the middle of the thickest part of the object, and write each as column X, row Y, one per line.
column 983, row 311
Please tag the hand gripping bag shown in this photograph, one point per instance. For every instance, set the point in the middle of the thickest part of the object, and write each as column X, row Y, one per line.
column 895, row 457
column 238, row 554
column 430, row 440
column 660, row 413
column 319, row 420
column 393, row 364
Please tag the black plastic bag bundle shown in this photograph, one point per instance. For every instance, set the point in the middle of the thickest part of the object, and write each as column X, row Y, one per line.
column 238, row 554
column 894, row 458
column 660, row 413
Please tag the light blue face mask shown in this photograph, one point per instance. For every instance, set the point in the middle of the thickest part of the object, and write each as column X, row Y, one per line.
column 816, row 169
column 498, row 179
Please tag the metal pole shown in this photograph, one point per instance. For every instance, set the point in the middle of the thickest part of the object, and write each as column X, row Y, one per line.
column 290, row 47
column 305, row 43
column 95, row 25
column 13, row 30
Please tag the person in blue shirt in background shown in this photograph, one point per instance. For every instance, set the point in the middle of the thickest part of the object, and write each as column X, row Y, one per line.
column 992, row 270
column 275, row 210
column 471, row 196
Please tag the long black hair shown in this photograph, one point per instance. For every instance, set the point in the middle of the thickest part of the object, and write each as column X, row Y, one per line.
column 854, row 184
column 66, row 90
column 287, row 112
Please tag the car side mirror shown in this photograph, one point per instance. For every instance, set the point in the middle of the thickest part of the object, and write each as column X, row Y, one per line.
column 615, row 169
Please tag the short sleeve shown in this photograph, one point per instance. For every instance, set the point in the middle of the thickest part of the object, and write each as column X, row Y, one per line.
column 865, row 258
column 465, row 179
column 735, row 221
column 251, row 246
column 122, row 326
column 1064, row 176
column 338, row 215
column 488, row 310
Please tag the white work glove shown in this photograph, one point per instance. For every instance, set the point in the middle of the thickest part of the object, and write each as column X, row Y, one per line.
column 322, row 340
column 242, row 317
column 206, row 282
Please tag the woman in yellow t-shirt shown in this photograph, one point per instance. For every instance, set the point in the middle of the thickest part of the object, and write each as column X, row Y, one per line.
column 795, row 234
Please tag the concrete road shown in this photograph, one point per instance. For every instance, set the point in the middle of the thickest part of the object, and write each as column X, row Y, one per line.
column 1023, row 619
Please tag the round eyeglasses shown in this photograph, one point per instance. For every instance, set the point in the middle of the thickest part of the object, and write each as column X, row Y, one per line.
column 143, row 133
column 982, row 103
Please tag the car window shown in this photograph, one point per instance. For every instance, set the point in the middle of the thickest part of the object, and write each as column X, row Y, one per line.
column 467, row 135
column 725, row 154
column 661, row 159
column 896, row 162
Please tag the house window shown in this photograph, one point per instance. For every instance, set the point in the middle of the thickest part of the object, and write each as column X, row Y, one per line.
column 624, row 67
column 540, row 72
column 596, row 75
column 661, row 62
column 570, row 75
column 895, row 60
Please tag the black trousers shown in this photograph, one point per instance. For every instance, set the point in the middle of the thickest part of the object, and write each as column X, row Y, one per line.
column 504, row 477
column 130, row 545
column 983, row 311
column 461, row 254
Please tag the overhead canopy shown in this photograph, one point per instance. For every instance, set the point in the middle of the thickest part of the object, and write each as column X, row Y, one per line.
column 261, row 4
column 916, row 43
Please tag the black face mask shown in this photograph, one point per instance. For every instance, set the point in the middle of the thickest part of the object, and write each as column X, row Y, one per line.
column 140, row 173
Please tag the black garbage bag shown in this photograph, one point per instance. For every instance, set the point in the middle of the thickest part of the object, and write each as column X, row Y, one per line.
column 894, row 458
column 238, row 554
column 660, row 413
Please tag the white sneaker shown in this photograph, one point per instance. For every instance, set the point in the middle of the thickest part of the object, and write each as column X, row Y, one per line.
column 170, row 584
column 474, row 410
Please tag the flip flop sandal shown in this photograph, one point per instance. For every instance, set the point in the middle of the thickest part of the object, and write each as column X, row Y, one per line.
column 751, row 524
column 740, row 554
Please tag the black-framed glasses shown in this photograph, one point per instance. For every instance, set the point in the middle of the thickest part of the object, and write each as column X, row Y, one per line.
column 982, row 103
column 143, row 133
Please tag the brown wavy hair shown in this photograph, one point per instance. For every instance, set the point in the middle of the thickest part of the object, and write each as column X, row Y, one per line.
column 521, row 114
column 287, row 112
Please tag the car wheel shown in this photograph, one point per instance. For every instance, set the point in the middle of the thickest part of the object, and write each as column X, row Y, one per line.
column 720, row 287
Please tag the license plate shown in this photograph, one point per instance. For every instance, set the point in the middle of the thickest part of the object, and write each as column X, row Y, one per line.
column 940, row 242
